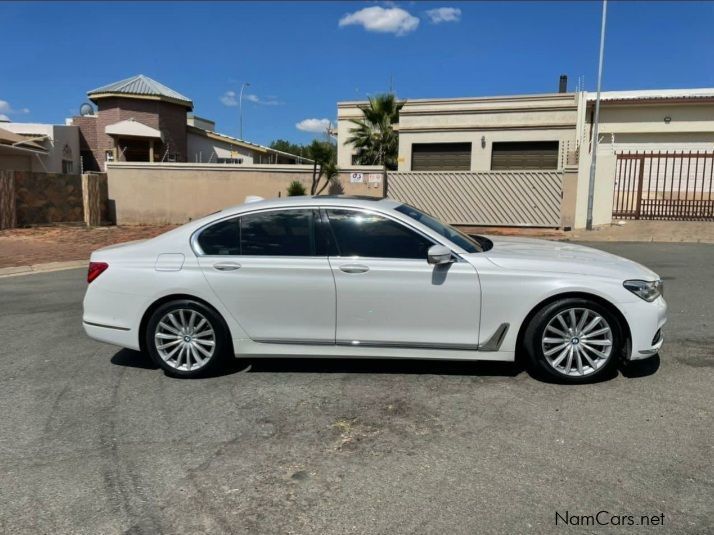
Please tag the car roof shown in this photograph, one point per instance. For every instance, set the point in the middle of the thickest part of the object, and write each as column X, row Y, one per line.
column 354, row 201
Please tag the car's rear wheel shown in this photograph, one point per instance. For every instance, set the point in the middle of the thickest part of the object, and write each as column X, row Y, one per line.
column 573, row 340
column 186, row 338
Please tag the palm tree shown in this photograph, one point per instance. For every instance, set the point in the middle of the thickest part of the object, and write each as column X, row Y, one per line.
column 324, row 156
column 374, row 136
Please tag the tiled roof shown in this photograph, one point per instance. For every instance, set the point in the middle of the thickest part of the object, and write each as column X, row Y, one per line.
column 141, row 85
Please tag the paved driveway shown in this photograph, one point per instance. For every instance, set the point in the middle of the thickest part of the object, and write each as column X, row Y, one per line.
column 96, row 440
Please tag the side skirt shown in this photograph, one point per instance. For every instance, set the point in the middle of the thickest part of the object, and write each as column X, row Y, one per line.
column 252, row 348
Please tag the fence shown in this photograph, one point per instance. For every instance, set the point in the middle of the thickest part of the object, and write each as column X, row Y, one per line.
column 507, row 198
column 664, row 186
column 30, row 198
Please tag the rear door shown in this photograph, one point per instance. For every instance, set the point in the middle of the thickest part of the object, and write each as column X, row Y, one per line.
column 389, row 295
column 266, row 269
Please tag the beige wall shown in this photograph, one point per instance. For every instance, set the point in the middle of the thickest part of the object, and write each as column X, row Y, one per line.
column 144, row 193
column 14, row 161
column 58, row 137
column 549, row 117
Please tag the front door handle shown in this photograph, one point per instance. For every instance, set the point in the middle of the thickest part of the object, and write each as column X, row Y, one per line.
column 226, row 266
column 354, row 268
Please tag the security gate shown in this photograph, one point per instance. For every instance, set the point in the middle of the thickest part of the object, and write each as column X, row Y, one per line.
column 674, row 186
column 491, row 198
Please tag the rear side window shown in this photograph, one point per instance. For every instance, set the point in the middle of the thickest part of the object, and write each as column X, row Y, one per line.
column 373, row 236
column 280, row 233
column 221, row 238
column 276, row 233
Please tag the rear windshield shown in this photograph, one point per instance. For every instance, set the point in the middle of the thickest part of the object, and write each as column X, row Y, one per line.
column 466, row 242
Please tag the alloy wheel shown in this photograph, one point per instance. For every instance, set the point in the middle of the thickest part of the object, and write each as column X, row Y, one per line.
column 577, row 342
column 185, row 339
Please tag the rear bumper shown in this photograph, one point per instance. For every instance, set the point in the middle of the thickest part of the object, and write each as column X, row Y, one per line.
column 646, row 321
column 112, row 334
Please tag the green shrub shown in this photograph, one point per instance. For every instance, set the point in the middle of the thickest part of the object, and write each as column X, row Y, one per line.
column 296, row 189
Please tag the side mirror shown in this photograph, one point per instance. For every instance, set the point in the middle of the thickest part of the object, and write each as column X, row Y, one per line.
column 439, row 254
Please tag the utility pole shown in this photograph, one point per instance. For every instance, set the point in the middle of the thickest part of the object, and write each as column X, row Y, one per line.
column 240, row 106
column 596, row 120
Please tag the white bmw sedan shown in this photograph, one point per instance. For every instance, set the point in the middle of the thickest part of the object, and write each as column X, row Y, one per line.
column 362, row 277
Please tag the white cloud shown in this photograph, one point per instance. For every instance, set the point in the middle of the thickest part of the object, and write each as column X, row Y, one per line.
column 317, row 126
column 267, row 101
column 6, row 109
column 382, row 20
column 444, row 14
column 231, row 99
column 4, row 117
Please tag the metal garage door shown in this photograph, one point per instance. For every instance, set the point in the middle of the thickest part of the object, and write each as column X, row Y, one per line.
column 513, row 155
column 441, row 156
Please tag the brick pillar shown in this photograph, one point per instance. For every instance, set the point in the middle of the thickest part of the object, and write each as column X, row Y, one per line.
column 91, row 199
column 8, row 212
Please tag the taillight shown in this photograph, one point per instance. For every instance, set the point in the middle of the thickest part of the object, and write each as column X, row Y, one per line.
column 96, row 269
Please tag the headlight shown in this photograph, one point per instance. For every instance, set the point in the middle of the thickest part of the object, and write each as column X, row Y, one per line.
column 647, row 290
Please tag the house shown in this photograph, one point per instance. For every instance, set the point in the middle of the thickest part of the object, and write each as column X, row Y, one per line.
column 44, row 148
column 141, row 120
column 538, row 131
column 205, row 145
column 655, row 155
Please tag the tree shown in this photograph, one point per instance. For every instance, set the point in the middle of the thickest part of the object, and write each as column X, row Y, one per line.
column 374, row 137
column 324, row 156
column 291, row 148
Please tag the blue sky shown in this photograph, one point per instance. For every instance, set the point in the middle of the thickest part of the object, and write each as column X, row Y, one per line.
column 301, row 59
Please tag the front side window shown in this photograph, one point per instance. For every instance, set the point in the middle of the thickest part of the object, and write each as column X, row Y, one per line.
column 466, row 242
column 276, row 233
column 370, row 235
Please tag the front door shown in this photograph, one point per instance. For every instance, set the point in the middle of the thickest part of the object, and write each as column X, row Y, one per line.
column 266, row 270
column 389, row 295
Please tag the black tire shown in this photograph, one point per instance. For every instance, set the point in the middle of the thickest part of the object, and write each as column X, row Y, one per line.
column 533, row 341
column 221, row 339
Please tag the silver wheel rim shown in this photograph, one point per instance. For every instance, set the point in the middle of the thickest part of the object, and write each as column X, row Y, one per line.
column 185, row 339
column 577, row 342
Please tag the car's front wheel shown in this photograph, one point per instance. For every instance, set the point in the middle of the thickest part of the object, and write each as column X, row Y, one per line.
column 186, row 338
column 573, row 340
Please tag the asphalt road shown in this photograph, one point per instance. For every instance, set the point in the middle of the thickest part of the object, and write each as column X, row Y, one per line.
column 96, row 440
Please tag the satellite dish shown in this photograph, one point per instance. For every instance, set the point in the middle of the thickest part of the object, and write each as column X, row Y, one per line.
column 86, row 109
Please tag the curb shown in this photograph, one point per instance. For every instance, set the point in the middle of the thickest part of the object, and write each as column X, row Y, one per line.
column 42, row 268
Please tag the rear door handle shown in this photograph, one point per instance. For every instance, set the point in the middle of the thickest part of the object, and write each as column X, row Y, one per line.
column 226, row 266
column 354, row 268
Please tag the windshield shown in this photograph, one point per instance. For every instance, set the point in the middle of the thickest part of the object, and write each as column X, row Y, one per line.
column 466, row 242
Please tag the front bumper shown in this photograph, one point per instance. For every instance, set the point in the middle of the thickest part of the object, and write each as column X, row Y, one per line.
column 645, row 321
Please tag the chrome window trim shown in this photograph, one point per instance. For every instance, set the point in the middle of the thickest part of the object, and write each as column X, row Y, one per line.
column 196, row 248
column 395, row 220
